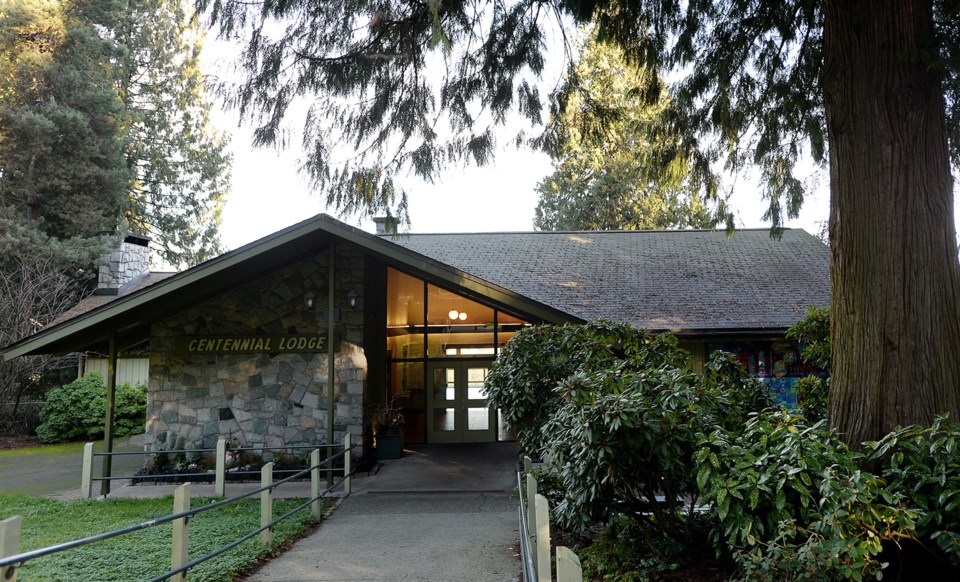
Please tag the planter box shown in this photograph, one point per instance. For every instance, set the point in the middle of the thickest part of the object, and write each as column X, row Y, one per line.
column 389, row 447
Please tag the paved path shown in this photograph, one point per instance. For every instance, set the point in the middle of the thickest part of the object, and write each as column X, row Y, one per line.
column 426, row 538
column 52, row 470
column 440, row 514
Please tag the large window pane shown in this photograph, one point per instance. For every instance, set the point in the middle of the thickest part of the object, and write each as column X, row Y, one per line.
column 456, row 323
column 405, row 303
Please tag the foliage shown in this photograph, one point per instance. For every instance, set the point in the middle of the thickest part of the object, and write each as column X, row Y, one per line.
column 813, row 334
column 615, row 164
column 146, row 553
column 793, row 504
column 77, row 411
column 624, row 441
column 923, row 465
column 61, row 151
column 616, row 555
column 35, row 288
column 104, row 126
column 181, row 162
column 523, row 378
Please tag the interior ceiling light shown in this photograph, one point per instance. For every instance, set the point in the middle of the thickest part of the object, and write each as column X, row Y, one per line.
column 454, row 314
column 463, row 316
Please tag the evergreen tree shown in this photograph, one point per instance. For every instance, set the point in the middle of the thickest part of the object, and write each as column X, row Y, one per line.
column 615, row 165
column 180, row 161
column 868, row 87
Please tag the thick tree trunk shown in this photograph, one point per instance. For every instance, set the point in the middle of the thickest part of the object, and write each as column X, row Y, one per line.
column 896, row 280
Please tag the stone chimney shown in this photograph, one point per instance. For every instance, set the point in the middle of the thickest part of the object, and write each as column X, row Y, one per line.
column 385, row 224
column 124, row 265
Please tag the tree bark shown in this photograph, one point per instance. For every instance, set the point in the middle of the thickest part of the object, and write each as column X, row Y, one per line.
column 895, row 276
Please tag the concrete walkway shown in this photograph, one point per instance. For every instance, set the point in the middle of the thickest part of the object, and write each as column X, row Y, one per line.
column 440, row 514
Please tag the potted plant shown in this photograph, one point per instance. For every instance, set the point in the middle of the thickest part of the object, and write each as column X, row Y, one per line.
column 387, row 423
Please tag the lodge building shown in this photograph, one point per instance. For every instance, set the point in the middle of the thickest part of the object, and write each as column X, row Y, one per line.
column 290, row 339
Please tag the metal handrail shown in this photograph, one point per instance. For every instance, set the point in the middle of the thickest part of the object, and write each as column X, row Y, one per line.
column 526, row 555
column 19, row 559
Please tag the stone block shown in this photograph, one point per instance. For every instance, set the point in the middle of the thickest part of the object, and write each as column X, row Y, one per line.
column 355, row 388
column 204, row 414
column 311, row 400
column 241, row 414
column 273, row 391
column 169, row 416
column 259, row 426
column 298, row 392
column 211, row 428
column 308, row 422
column 199, row 392
column 257, row 393
column 255, row 381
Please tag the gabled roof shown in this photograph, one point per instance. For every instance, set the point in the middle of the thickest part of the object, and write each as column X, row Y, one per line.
column 687, row 281
column 690, row 282
column 130, row 315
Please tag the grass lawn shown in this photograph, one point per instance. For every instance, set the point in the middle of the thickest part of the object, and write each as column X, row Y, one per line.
column 146, row 553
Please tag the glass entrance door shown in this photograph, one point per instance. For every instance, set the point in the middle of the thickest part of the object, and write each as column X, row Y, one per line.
column 457, row 406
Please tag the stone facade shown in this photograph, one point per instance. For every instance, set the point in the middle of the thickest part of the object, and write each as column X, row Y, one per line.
column 125, row 264
column 267, row 400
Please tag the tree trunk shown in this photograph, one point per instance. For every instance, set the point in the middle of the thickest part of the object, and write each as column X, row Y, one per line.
column 895, row 277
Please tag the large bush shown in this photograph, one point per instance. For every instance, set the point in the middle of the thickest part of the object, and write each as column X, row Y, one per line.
column 524, row 378
column 623, row 442
column 77, row 411
column 794, row 503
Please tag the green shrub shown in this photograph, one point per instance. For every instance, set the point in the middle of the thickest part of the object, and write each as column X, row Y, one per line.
column 813, row 334
column 77, row 411
column 792, row 504
column 624, row 443
column 923, row 465
column 524, row 377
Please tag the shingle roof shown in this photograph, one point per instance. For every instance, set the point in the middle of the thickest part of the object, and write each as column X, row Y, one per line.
column 687, row 280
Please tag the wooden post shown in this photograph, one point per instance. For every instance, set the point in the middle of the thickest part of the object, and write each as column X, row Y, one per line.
column 346, row 464
column 86, row 473
column 544, row 572
column 568, row 565
column 331, row 356
column 181, row 533
column 10, row 545
column 531, row 508
column 266, row 504
column 219, row 484
column 111, row 407
column 315, row 483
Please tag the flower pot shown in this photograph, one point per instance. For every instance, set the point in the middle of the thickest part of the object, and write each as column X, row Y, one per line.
column 389, row 446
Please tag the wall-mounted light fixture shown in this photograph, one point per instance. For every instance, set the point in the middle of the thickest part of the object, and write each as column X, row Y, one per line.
column 308, row 299
column 352, row 297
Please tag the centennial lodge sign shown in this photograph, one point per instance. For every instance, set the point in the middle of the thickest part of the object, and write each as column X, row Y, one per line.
column 251, row 344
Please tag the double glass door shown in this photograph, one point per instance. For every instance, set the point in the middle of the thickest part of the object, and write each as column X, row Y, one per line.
column 457, row 410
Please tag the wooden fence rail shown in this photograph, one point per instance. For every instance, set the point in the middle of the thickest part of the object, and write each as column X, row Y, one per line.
column 11, row 559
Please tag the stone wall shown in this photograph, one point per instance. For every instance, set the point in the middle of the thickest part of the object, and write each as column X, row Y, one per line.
column 268, row 400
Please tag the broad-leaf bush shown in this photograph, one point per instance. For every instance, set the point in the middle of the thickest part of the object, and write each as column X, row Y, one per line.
column 77, row 411
column 624, row 442
column 923, row 465
column 792, row 503
column 523, row 378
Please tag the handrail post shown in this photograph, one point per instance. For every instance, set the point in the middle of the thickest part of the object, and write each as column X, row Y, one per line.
column 346, row 464
column 86, row 474
column 315, row 483
column 527, row 464
column 266, row 504
column 10, row 545
column 181, row 533
column 219, row 486
column 543, row 539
